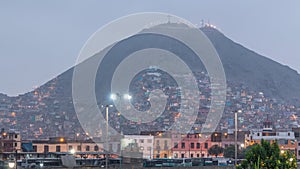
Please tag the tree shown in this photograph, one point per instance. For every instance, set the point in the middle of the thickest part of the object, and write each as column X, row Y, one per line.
column 215, row 150
column 268, row 156
column 229, row 152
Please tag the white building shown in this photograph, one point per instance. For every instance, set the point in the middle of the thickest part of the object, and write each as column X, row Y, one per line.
column 144, row 143
column 285, row 139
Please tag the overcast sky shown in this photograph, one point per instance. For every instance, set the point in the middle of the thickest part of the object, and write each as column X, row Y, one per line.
column 41, row 39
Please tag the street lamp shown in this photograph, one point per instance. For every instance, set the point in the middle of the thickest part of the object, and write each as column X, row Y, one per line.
column 242, row 145
column 11, row 164
column 235, row 138
column 106, row 138
column 113, row 97
column 72, row 151
column 41, row 165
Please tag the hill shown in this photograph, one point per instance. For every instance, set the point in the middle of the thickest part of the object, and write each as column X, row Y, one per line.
column 49, row 111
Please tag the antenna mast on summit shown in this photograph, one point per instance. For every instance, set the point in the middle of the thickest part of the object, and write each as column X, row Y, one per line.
column 169, row 19
column 202, row 23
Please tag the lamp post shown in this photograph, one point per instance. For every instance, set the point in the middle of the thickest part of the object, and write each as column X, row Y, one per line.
column 150, row 152
column 16, row 158
column 11, row 164
column 115, row 97
column 189, row 140
column 235, row 135
column 106, row 138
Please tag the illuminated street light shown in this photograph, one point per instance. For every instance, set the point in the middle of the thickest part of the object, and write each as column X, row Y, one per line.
column 11, row 164
column 72, row 151
column 242, row 145
column 61, row 139
column 113, row 96
column 127, row 96
column 41, row 165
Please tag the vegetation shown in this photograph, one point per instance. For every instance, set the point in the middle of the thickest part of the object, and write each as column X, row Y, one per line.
column 268, row 156
column 215, row 150
column 229, row 152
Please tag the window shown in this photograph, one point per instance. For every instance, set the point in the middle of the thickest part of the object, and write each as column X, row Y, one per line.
column 176, row 155
column 87, row 148
column 298, row 152
column 289, row 134
column 257, row 134
column 192, row 145
column 283, row 142
column 34, row 148
column 16, row 144
column 297, row 134
column 175, row 145
column 166, row 145
column 119, row 148
column 78, row 148
column 206, row 145
column 149, row 141
column 157, row 142
column 182, row 155
column 96, row 148
column 286, row 142
column 57, row 148
column 165, row 156
column 192, row 155
column 16, row 136
column 46, row 148
column 182, row 145
column 198, row 155
column 110, row 147
column 198, row 145
column 141, row 140
column 70, row 147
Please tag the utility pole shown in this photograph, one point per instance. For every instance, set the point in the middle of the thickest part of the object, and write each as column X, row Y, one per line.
column 236, row 134
column 235, row 137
